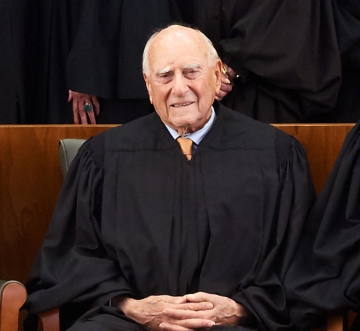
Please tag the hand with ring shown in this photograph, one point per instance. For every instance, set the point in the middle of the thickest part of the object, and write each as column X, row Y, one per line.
column 227, row 76
column 85, row 107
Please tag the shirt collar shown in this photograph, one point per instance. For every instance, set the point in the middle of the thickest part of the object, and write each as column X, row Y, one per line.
column 199, row 135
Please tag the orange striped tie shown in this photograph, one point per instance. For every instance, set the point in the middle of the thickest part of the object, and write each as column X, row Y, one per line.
column 186, row 146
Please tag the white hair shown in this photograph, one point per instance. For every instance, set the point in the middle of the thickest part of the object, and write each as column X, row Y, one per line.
column 212, row 55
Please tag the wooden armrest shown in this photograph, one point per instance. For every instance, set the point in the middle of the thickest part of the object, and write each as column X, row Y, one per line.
column 12, row 297
column 50, row 320
column 334, row 323
column 351, row 316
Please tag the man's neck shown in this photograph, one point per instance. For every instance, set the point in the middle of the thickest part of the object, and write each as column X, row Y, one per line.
column 198, row 135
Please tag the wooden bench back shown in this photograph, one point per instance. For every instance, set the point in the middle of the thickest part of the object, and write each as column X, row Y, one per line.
column 30, row 180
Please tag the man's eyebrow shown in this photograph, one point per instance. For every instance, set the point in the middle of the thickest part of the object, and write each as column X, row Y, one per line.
column 192, row 66
column 163, row 71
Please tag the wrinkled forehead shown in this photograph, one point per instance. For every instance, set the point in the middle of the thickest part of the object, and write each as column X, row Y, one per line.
column 178, row 46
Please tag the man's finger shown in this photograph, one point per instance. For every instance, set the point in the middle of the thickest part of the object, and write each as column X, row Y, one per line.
column 199, row 306
column 178, row 300
column 188, row 324
column 91, row 116
column 70, row 96
column 196, row 323
column 76, row 112
column 180, row 314
column 225, row 80
column 173, row 327
column 96, row 105
column 83, row 116
column 226, row 87
column 199, row 297
column 194, row 306
column 198, row 310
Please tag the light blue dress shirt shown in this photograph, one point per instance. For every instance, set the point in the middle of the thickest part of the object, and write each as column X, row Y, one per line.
column 199, row 135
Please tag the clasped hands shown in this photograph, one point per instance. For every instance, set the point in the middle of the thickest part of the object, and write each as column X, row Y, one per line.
column 187, row 313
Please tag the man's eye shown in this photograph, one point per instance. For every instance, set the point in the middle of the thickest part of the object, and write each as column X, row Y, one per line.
column 164, row 78
column 192, row 74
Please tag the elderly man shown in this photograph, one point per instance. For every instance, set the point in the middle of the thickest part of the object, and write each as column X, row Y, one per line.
column 144, row 236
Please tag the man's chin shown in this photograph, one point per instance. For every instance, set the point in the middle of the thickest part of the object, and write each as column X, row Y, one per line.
column 187, row 124
column 182, row 120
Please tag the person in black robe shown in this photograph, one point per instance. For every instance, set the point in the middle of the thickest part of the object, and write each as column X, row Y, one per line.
column 347, row 24
column 137, row 224
column 35, row 39
column 49, row 31
column 104, row 64
column 284, row 56
column 12, row 44
column 325, row 274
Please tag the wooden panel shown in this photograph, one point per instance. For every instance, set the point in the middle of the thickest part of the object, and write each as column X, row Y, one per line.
column 322, row 143
column 30, row 181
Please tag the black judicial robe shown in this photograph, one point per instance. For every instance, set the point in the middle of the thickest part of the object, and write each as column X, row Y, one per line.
column 34, row 37
column 347, row 24
column 106, row 56
column 134, row 217
column 285, row 52
column 49, row 33
column 12, row 98
column 325, row 274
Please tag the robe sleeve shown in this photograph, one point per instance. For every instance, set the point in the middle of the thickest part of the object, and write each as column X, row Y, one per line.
column 325, row 274
column 265, row 296
column 73, row 265
column 287, row 49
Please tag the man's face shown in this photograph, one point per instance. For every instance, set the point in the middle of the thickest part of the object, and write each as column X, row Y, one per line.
column 181, row 84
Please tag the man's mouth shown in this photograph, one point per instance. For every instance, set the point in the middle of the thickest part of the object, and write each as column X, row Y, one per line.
column 184, row 104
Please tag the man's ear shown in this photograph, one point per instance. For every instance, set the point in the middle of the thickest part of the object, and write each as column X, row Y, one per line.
column 148, row 86
column 218, row 67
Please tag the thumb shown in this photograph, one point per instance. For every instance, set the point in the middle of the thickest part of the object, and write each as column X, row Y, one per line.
column 178, row 300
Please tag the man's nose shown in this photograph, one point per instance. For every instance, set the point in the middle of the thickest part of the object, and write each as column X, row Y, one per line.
column 180, row 85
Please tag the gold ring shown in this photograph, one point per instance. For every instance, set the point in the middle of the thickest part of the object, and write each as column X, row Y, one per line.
column 224, row 70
